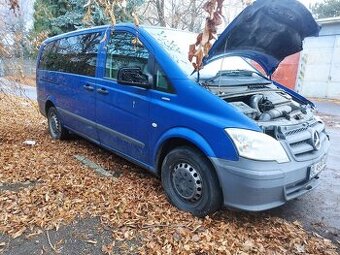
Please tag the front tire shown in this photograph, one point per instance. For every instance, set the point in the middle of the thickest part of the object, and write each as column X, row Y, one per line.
column 190, row 182
column 55, row 127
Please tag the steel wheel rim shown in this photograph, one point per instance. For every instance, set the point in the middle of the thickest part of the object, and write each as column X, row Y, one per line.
column 187, row 182
column 55, row 126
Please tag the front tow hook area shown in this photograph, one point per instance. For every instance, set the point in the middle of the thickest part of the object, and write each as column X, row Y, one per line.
column 296, row 190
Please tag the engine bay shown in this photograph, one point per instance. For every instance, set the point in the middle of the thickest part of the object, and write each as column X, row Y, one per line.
column 266, row 104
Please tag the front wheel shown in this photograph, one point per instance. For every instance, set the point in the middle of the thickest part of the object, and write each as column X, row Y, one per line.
column 55, row 127
column 190, row 182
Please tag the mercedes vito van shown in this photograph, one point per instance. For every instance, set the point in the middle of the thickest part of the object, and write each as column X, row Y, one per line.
column 226, row 135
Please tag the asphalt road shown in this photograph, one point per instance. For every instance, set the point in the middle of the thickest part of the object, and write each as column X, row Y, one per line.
column 13, row 88
column 328, row 107
column 318, row 210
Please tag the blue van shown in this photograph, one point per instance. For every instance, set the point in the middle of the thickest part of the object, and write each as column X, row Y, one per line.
column 226, row 135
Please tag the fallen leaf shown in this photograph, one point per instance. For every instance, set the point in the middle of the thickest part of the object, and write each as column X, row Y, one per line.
column 91, row 241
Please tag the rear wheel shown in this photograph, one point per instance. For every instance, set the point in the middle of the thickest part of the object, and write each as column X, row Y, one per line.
column 55, row 127
column 190, row 182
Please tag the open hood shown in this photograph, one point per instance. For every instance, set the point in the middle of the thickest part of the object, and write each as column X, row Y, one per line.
column 266, row 31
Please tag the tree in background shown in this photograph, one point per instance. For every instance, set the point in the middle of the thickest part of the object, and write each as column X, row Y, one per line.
column 53, row 17
column 14, row 46
column 13, row 5
column 13, row 31
column 327, row 9
column 185, row 14
column 181, row 14
column 100, row 12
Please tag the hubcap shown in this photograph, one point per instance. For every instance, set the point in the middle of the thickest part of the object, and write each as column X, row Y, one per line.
column 187, row 182
column 55, row 126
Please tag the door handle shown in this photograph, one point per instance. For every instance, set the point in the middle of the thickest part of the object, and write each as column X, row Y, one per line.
column 103, row 91
column 88, row 87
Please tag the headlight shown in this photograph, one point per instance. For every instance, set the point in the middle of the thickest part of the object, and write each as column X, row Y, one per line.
column 257, row 146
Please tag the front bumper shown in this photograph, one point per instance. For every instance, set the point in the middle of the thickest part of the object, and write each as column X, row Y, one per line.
column 256, row 186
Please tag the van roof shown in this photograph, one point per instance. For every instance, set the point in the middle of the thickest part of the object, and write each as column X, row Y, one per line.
column 86, row 30
column 100, row 29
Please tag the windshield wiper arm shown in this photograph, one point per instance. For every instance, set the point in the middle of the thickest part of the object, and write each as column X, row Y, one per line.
column 249, row 72
column 237, row 72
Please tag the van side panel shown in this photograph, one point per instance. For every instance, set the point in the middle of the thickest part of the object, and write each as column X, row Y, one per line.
column 175, row 120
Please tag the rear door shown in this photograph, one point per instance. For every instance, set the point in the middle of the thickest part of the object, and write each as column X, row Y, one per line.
column 122, row 111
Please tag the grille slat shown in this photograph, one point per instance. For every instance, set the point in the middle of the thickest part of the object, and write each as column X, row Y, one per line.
column 299, row 139
column 296, row 131
column 301, row 148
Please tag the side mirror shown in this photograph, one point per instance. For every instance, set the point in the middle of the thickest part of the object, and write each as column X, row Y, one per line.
column 134, row 76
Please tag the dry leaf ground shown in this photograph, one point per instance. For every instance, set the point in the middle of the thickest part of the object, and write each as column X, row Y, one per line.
column 43, row 187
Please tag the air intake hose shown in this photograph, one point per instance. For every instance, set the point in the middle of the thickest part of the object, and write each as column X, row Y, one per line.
column 275, row 113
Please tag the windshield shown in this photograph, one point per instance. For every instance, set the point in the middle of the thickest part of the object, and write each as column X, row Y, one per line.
column 176, row 43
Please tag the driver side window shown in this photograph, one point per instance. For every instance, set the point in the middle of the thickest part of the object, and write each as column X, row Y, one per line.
column 124, row 50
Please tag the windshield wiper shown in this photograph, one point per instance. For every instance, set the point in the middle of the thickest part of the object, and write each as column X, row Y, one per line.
column 235, row 73
column 249, row 73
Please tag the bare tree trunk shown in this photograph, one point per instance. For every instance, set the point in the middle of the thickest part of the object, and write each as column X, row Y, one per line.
column 193, row 11
column 186, row 15
column 160, row 12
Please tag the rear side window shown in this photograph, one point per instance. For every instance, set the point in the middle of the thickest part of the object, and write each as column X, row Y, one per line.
column 48, row 56
column 76, row 54
column 125, row 50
